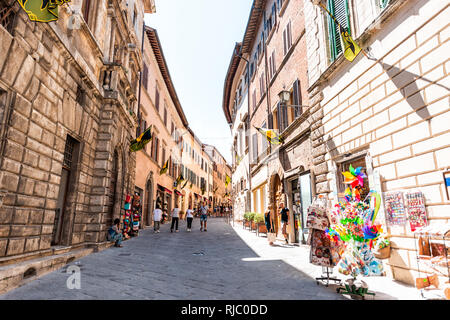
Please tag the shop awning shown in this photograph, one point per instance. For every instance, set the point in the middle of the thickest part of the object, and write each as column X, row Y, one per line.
column 164, row 189
column 178, row 193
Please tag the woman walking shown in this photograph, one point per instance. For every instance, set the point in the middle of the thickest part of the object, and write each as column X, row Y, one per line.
column 189, row 218
column 269, row 225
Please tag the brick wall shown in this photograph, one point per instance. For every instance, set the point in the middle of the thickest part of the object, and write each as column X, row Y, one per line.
column 397, row 108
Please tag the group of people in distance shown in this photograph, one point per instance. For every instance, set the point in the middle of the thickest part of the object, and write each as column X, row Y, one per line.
column 115, row 234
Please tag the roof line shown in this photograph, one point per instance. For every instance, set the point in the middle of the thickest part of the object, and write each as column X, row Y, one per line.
column 153, row 38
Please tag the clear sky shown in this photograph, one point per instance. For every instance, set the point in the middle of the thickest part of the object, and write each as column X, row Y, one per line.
column 198, row 38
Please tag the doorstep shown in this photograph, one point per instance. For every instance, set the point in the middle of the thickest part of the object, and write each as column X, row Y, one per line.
column 25, row 270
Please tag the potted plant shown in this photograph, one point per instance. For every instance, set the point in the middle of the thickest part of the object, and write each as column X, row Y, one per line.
column 259, row 221
column 382, row 248
column 247, row 220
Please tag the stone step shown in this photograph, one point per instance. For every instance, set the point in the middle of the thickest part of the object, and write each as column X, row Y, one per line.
column 20, row 273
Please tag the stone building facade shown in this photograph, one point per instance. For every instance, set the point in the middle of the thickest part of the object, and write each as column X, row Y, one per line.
column 161, row 109
column 220, row 170
column 68, row 105
column 274, row 47
column 197, row 170
column 388, row 112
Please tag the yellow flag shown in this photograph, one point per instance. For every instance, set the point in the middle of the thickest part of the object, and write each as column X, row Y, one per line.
column 227, row 180
column 164, row 168
column 41, row 10
column 351, row 48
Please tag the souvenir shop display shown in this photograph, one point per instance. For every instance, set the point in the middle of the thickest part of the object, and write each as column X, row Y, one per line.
column 127, row 219
column 417, row 214
column 433, row 260
column 321, row 251
column 395, row 208
column 136, row 213
column 355, row 231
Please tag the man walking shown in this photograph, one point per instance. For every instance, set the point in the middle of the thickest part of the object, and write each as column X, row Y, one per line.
column 203, row 216
column 157, row 215
column 284, row 221
column 175, row 218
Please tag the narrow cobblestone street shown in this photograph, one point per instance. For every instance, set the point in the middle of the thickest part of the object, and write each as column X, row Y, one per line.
column 216, row 264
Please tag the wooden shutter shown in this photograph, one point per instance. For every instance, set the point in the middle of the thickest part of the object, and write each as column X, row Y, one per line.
column 297, row 97
column 339, row 8
column 270, row 121
column 255, row 146
column 289, row 36
column 157, row 98
column 279, row 117
column 145, row 77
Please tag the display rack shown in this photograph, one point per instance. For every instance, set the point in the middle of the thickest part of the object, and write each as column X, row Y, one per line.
column 327, row 277
column 432, row 253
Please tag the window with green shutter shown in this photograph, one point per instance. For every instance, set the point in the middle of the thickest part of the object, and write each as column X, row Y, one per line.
column 384, row 3
column 339, row 9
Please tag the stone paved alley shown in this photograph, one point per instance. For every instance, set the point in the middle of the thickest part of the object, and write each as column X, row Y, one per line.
column 172, row 266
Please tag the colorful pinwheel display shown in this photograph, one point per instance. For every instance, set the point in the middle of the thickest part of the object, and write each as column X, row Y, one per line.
column 353, row 227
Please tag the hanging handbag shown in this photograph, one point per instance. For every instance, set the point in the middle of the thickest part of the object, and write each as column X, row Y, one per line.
column 424, row 246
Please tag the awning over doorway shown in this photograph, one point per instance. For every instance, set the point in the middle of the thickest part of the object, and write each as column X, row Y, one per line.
column 178, row 193
column 164, row 189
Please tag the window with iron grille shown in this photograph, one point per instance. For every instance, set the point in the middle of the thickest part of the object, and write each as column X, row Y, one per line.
column 7, row 14
column 68, row 152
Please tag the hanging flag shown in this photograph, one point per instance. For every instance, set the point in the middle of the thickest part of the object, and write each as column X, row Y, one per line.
column 164, row 168
column 216, row 189
column 42, row 10
column 184, row 185
column 140, row 142
column 351, row 48
column 271, row 136
column 180, row 179
column 190, row 187
column 227, row 180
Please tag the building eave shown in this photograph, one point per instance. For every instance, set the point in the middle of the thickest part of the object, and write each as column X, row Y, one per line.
column 153, row 38
column 234, row 63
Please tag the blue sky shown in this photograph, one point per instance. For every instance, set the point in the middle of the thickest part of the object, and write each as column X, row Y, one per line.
column 198, row 38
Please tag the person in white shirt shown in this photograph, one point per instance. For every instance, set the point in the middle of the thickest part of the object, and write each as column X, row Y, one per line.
column 157, row 214
column 175, row 218
column 189, row 218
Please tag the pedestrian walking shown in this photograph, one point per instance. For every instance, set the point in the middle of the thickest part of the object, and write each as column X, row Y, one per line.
column 175, row 218
column 269, row 225
column 284, row 221
column 157, row 215
column 189, row 218
column 165, row 216
column 203, row 216
column 114, row 233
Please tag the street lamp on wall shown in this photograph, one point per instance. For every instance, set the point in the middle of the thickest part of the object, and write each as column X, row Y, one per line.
column 284, row 96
